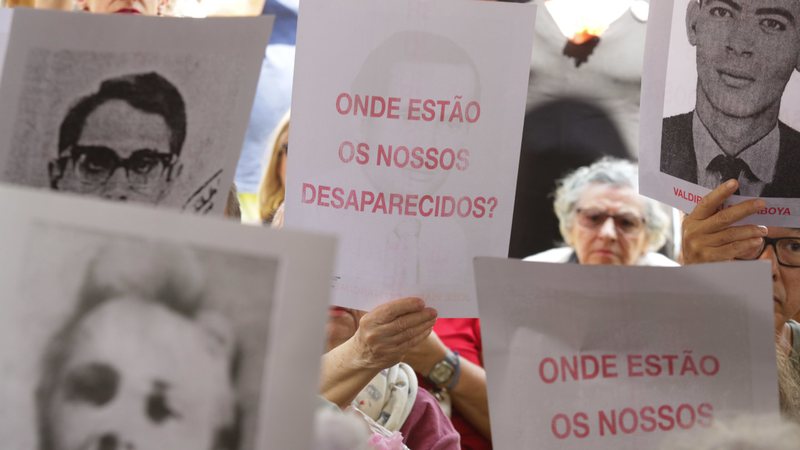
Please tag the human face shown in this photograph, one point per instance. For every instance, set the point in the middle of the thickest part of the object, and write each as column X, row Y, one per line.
column 117, row 133
column 785, row 280
column 606, row 243
column 139, row 376
column 145, row 7
column 746, row 53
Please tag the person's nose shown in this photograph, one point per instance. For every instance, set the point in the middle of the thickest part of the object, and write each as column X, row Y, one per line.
column 608, row 230
column 740, row 41
column 116, row 187
column 769, row 255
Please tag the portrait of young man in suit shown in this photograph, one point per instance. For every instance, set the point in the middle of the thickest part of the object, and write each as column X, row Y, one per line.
column 746, row 52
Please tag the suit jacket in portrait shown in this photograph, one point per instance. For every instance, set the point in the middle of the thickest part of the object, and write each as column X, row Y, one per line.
column 678, row 157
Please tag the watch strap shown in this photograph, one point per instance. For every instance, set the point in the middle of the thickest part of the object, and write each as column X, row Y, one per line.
column 456, row 373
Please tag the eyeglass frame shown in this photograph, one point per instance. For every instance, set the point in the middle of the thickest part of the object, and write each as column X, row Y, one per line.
column 768, row 241
column 640, row 227
column 68, row 154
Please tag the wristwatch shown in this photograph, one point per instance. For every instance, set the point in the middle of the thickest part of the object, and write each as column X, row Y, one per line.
column 446, row 372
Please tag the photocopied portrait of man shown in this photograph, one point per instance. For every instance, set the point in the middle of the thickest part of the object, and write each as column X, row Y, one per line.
column 746, row 53
column 122, row 142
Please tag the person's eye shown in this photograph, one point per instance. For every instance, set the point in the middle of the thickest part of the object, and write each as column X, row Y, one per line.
column 626, row 224
column 143, row 164
column 596, row 218
column 773, row 24
column 721, row 12
column 159, row 408
column 93, row 165
column 95, row 384
column 792, row 245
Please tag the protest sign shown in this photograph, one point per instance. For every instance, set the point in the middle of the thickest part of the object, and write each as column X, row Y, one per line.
column 5, row 22
column 719, row 101
column 126, row 327
column 143, row 109
column 406, row 143
column 610, row 357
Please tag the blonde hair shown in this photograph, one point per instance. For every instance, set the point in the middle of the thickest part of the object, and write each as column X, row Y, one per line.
column 271, row 191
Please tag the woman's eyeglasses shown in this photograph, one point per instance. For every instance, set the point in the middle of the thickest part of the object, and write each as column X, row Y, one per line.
column 594, row 218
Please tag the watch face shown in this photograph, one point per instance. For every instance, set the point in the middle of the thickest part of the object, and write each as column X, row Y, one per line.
column 441, row 373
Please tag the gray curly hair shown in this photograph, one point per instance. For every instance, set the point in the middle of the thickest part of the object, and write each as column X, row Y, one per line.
column 614, row 172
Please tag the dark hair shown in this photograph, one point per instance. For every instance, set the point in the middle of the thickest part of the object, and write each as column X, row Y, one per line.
column 148, row 92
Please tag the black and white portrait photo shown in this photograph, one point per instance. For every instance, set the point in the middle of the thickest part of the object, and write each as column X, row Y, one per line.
column 153, row 113
column 136, row 344
column 134, row 128
column 735, row 116
column 122, row 142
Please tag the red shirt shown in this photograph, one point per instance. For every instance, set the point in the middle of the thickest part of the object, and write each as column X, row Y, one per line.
column 464, row 337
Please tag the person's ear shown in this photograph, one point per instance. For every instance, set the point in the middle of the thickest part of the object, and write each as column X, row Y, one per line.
column 797, row 63
column 692, row 13
column 220, row 330
column 175, row 172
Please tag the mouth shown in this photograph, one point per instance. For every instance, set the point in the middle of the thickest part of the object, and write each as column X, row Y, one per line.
column 735, row 79
column 777, row 301
column 127, row 11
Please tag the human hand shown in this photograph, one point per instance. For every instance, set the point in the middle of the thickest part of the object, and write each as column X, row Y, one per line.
column 426, row 354
column 388, row 332
column 707, row 232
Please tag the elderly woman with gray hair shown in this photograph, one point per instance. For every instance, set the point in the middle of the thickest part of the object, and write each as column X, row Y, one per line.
column 603, row 219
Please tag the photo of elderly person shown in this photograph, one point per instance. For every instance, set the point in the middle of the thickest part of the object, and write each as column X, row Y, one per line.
column 603, row 219
column 746, row 52
column 122, row 142
column 709, row 235
column 141, row 363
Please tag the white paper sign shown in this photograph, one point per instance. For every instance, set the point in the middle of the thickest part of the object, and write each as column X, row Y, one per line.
column 151, row 329
column 406, row 142
column 742, row 102
column 5, row 28
column 605, row 357
column 144, row 109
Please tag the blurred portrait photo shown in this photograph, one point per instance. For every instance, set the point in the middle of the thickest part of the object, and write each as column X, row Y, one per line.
column 151, row 346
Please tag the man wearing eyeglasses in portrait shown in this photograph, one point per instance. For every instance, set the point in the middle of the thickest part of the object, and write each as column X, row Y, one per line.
column 746, row 52
column 122, row 142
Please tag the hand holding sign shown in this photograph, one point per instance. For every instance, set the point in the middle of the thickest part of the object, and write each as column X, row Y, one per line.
column 388, row 332
column 708, row 234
